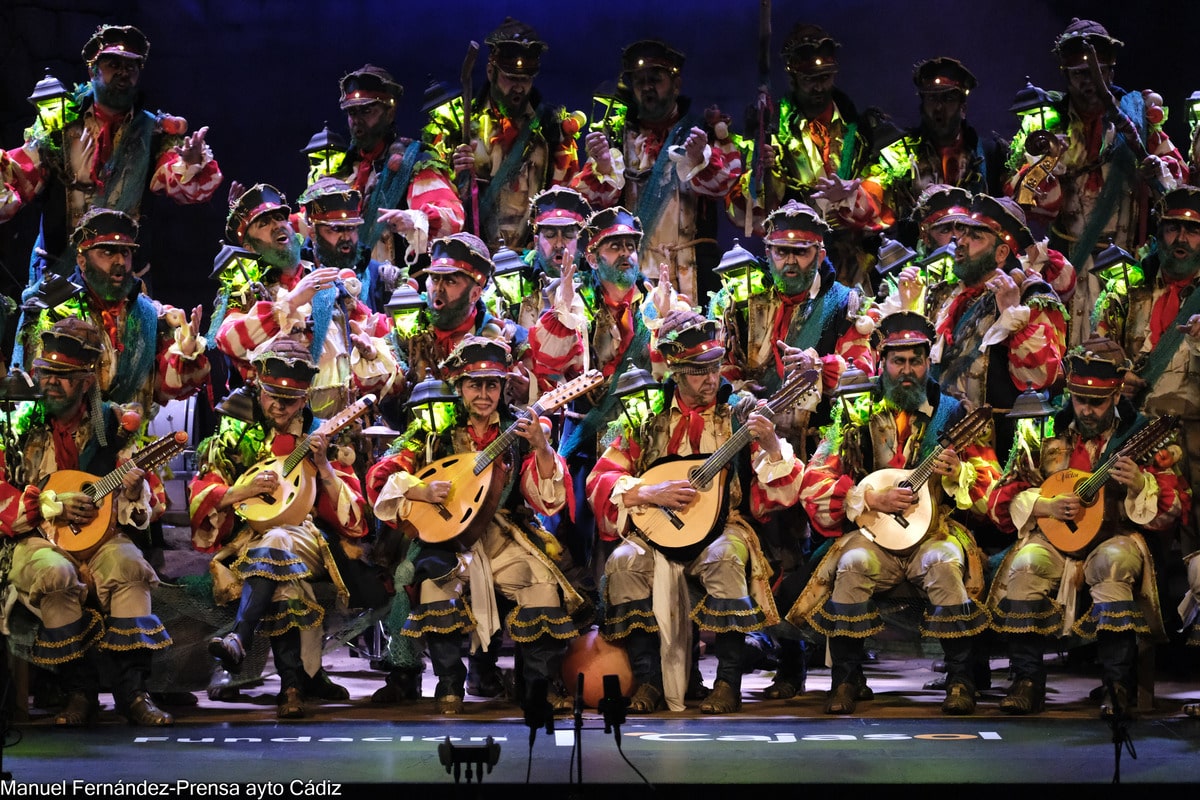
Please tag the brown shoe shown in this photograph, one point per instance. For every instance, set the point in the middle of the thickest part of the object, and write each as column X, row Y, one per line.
column 1023, row 698
column 229, row 650
column 142, row 711
column 450, row 705
column 291, row 704
column 960, row 700
column 784, row 688
column 723, row 699
column 842, row 699
column 81, row 711
column 646, row 700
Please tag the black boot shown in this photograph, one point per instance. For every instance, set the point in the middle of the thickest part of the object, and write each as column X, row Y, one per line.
column 1117, row 654
column 960, row 676
column 483, row 676
column 726, row 696
column 646, row 663
column 402, row 685
column 80, row 680
column 1027, row 695
column 285, row 648
column 445, row 654
column 231, row 649
column 847, row 684
column 792, row 672
column 129, row 690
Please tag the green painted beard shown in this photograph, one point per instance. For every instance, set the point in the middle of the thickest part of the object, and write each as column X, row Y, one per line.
column 905, row 398
column 283, row 258
column 1177, row 268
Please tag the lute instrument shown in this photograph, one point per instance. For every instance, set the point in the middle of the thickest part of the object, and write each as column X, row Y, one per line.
column 681, row 534
column 1076, row 536
column 296, row 494
column 477, row 479
column 900, row 530
column 82, row 541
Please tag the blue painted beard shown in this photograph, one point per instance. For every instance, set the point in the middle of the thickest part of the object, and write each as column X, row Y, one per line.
column 905, row 398
column 283, row 258
column 623, row 274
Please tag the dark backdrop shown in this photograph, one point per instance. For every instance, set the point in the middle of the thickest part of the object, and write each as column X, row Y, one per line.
column 263, row 74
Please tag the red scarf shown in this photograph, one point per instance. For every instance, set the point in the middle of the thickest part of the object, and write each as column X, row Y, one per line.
column 965, row 297
column 283, row 444
column 111, row 315
column 818, row 132
column 1094, row 128
column 447, row 339
column 692, row 423
column 622, row 313
column 366, row 167
column 783, row 322
column 1166, row 308
column 110, row 123
column 504, row 132
column 62, row 431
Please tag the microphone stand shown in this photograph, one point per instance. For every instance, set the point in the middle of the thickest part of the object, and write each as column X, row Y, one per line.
column 579, row 729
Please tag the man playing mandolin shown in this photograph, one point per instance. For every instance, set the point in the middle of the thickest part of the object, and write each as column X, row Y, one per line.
column 725, row 557
column 276, row 564
column 501, row 562
column 898, row 427
column 1032, row 598
column 62, row 433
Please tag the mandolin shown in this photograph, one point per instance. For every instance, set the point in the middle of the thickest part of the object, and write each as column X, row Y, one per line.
column 477, row 479
column 682, row 534
column 296, row 494
column 1077, row 535
column 82, row 541
column 901, row 530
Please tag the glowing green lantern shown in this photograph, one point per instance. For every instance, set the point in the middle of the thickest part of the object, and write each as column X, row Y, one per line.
column 404, row 309
column 741, row 274
column 50, row 98
column 326, row 151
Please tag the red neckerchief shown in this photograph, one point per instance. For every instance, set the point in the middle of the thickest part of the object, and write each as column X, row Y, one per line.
column 62, row 431
column 480, row 442
column 110, row 315
column 1093, row 132
column 818, row 131
column 950, row 160
column 283, row 444
column 289, row 280
column 445, row 340
column 110, row 121
column 964, row 298
column 783, row 321
column 622, row 311
column 655, row 133
column 504, row 132
column 366, row 167
column 692, row 423
column 1166, row 308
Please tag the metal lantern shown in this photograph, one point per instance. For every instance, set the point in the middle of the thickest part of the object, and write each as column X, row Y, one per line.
column 326, row 151
column 404, row 309
column 1114, row 265
column 432, row 403
column 512, row 275
column 638, row 392
column 1034, row 108
column 50, row 99
column 741, row 273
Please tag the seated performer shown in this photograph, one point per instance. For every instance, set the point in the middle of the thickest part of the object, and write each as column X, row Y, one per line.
column 1036, row 594
column 896, row 426
column 509, row 555
column 62, row 433
column 727, row 559
column 276, row 566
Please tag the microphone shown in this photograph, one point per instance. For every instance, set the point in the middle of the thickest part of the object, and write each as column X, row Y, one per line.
column 538, row 712
column 613, row 705
column 579, row 701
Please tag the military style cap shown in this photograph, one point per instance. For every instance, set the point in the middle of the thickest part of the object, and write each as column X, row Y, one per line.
column 369, row 84
column 691, row 342
column 560, row 206
column 942, row 74
column 905, row 329
column 330, row 201
column 940, row 201
column 285, row 367
column 460, row 252
column 795, row 225
column 1181, row 204
column 649, row 54
column 1071, row 46
column 70, row 345
column 609, row 222
column 478, row 357
column 516, row 48
column 101, row 227
column 1002, row 216
column 1096, row 368
column 809, row 50
column 259, row 199
column 125, row 41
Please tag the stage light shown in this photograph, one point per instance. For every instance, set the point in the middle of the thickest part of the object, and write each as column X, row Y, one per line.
column 474, row 756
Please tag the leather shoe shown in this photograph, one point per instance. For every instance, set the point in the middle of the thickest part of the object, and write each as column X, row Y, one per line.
column 450, row 705
column 784, row 688
column 291, row 704
column 322, row 687
column 229, row 650
column 489, row 684
column 1115, row 705
column 80, row 712
column 842, row 698
column 646, row 700
column 142, row 711
column 960, row 700
column 400, row 686
column 221, row 688
column 723, row 699
column 561, row 702
column 1023, row 698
